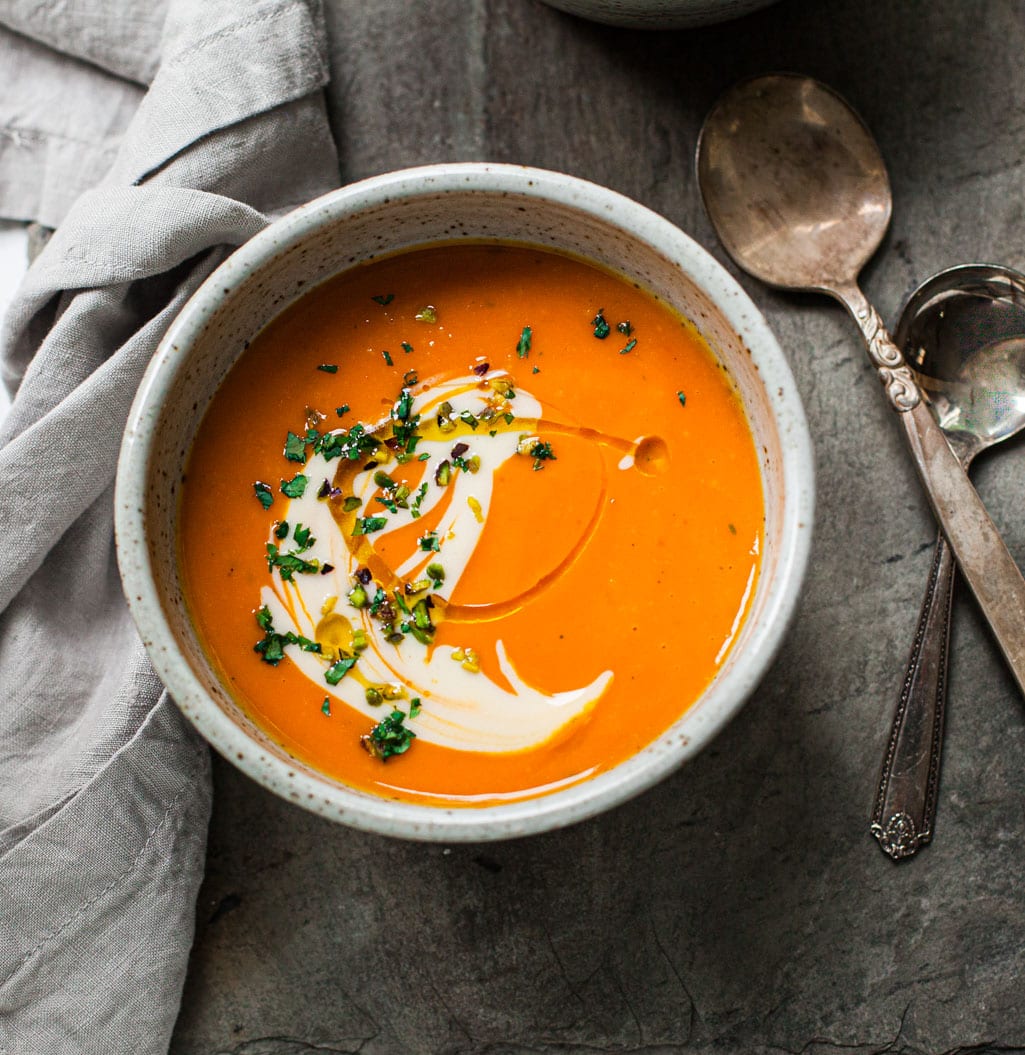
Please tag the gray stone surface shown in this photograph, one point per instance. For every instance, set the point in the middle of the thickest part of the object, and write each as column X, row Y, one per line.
column 741, row 905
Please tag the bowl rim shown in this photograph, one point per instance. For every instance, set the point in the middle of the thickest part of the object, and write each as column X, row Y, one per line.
column 593, row 795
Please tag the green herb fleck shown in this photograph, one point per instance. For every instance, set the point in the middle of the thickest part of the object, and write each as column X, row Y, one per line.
column 387, row 358
column 523, row 344
column 302, row 537
column 625, row 328
column 328, row 368
column 264, row 494
column 389, row 737
column 429, row 543
column 414, row 707
column 295, row 448
column 407, row 347
column 342, row 410
column 368, row 525
column 601, row 326
column 508, row 418
column 628, row 347
column 325, row 707
column 384, row 299
column 289, row 563
column 536, row 370
column 281, row 531
column 542, row 452
column 351, row 504
column 263, row 618
column 334, row 674
column 682, row 398
column 733, row 528
column 427, row 314
column 296, row 487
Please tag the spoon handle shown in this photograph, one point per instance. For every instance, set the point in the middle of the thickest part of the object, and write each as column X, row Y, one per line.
column 984, row 560
column 906, row 800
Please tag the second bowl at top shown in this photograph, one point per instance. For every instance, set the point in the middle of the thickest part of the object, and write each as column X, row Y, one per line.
column 337, row 235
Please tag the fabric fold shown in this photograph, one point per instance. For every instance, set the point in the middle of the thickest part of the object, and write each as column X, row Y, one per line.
column 104, row 788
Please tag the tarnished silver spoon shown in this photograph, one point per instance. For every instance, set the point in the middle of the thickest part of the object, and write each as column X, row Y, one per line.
column 798, row 193
column 963, row 333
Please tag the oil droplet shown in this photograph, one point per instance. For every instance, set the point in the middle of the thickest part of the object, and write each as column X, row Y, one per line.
column 651, row 456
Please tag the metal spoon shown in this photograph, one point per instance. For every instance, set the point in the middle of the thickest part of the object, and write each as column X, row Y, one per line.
column 798, row 193
column 963, row 332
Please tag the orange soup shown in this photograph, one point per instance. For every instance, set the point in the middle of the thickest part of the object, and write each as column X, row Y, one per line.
column 472, row 523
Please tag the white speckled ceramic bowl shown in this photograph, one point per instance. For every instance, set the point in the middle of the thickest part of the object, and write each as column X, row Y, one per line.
column 659, row 14
column 391, row 212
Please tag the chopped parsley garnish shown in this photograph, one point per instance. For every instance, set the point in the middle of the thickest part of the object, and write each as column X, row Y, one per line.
column 387, row 358
column 325, row 707
column 384, row 299
column 407, row 347
column 342, row 410
column 427, row 314
column 682, row 398
column 536, row 370
column 351, row 504
column 264, row 494
column 414, row 707
column 625, row 328
column 628, row 347
column 542, row 452
column 295, row 448
column 508, row 418
column 289, row 563
column 368, row 525
column 281, row 531
column 467, row 418
column 302, row 537
column 429, row 543
column 334, row 674
column 523, row 344
column 328, row 368
column 389, row 737
column 296, row 487
column 271, row 647
column 601, row 326
column 418, row 498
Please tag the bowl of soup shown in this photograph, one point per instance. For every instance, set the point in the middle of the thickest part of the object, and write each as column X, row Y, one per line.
column 465, row 502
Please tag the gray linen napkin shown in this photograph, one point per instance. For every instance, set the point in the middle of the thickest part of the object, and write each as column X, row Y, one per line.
column 104, row 789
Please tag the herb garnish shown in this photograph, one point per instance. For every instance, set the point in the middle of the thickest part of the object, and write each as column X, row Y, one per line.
column 625, row 328
column 325, row 707
column 682, row 398
column 368, row 525
column 542, row 452
column 281, row 531
column 272, row 646
column 334, row 674
column 389, row 737
column 601, row 326
column 429, row 543
column 387, row 358
column 342, row 410
column 328, row 368
column 295, row 448
column 296, row 487
column 427, row 314
column 289, row 563
column 523, row 344
column 629, row 347
column 264, row 493
column 383, row 299
column 407, row 347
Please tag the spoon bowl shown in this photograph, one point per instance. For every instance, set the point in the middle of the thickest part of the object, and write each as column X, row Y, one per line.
column 963, row 333
column 793, row 182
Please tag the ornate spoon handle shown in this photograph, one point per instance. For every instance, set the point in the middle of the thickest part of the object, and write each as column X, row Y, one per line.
column 906, row 800
column 985, row 562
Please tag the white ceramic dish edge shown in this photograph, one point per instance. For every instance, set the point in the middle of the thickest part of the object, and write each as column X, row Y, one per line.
column 578, row 802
